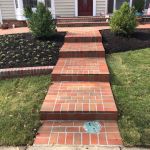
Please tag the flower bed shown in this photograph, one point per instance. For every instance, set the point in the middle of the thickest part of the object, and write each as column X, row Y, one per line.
column 23, row 50
column 112, row 43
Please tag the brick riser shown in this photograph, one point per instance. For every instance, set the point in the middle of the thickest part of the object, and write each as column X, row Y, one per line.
column 83, row 39
column 82, row 24
column 80, row 54
column 81, row 77
column 97, row 19
column 79, row 116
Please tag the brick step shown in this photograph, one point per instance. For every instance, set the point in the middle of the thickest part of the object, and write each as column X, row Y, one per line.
column 80, row 19
column 73, row 133
column 79, row 101
column 89, row 49
column 81, row 69
column 81, row 24
column 82, row 36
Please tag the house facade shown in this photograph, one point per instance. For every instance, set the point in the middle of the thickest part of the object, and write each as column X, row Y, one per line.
column 13, row 9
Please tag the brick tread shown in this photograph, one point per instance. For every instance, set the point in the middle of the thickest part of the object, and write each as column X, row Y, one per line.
column 81, row 69
column 79, row 99
column 82, row 49
column 72, row 133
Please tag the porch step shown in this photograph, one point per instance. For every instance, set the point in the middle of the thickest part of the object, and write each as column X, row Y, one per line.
column 81, row 24
column 82, row 36
column 81, row 19
column 79, row 101
column 73, row 133
column 83, row 49
column 81, row 69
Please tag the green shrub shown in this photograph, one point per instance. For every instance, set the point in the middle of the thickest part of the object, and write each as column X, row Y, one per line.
column 139, row 5
column 41, row 22
column 146, row 137
column 123, row 21
column 28, row 12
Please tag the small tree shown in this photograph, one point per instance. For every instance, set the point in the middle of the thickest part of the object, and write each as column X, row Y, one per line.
column 41, row 22
column 123, row 21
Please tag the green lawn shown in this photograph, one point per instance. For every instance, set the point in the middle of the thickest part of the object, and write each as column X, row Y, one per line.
column 20, row 101
column 130, row 72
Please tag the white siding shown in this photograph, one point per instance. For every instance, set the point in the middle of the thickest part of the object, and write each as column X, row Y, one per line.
column 7, row 9
column 100, row 7
column 65, row 8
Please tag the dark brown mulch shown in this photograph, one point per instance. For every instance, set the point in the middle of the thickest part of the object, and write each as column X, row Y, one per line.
column 112, row 43
column 23, row 50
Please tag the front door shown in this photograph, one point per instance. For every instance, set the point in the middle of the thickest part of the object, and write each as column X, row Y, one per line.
column 85, row 7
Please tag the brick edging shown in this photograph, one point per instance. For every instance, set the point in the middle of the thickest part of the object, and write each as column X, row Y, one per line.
column 25, row 71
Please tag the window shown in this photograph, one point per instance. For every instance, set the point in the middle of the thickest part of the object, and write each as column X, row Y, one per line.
column 30, row 3
column 48, row 3
column 16, row 3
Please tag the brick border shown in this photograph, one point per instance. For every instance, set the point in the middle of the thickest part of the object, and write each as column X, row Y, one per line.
column 25, row 71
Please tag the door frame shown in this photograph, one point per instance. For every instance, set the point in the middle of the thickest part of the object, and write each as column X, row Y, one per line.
column 76, row 8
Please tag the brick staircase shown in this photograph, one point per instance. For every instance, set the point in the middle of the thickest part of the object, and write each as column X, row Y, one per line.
column 80, row 92
column 81, row 21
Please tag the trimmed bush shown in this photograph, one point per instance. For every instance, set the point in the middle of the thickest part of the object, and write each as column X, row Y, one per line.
column 123, row 21
column 41, row 23
column 139, row 5
column 28, row 12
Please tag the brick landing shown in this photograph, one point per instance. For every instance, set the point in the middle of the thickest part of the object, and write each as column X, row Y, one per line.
column 73, row 133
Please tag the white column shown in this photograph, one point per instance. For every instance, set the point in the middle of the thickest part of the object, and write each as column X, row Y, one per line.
column 94, row 7
column 19, row 10
column 106, row 8
column 53, row 8
column 76, row 8
column 131, row 1
column 114, row 7
column 1, row 19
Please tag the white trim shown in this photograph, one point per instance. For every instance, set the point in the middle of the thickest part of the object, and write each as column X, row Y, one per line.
column 1, row 18
column 76, row 8
column 53, row 8
column 94, row 7
column 106, row 7
column 114, row 7
column 131, row 1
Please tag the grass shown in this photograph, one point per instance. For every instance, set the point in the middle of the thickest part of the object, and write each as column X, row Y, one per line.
column 131, row 86
column 20, row 101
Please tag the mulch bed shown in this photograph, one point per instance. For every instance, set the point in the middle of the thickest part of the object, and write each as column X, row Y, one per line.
column 112, row 43
column 23, row 50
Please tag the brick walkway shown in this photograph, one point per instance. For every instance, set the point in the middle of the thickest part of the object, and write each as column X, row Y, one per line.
column 80, row 92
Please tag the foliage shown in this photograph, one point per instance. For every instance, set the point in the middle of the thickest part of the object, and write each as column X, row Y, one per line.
column 139, row 5
column 28, row 12
column 123, row 21
column 20, row 102
column 131, row 85
column 41, row 23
